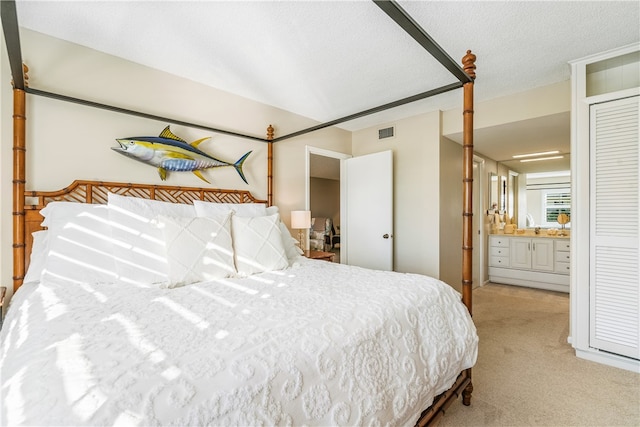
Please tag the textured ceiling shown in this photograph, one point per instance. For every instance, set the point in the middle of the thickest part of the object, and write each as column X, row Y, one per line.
column 325, row 60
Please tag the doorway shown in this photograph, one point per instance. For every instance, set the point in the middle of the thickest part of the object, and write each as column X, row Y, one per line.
column 325, row 192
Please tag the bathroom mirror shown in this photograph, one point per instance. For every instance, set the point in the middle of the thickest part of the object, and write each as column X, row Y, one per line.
column 493, row 191
column 503, row 193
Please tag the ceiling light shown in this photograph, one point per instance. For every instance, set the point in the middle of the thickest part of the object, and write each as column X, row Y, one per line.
column 541, row 158
column 518, row 156
column 548, row 174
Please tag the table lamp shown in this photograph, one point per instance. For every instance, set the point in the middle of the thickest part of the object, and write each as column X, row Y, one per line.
column 300, row 220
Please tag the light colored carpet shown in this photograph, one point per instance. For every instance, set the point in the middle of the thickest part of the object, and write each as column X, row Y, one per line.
column 528, row 375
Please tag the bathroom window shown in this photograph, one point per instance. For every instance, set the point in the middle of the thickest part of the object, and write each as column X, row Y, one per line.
column 555, row 202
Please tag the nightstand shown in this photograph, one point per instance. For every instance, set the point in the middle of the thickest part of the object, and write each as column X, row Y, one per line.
column 325, row 256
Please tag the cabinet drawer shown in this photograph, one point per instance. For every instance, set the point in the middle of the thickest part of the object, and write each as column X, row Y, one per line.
column 563, row 245
column 502, row 242
column 499, row 251
column 562, row 256
column 499, row 261
column 562, row 267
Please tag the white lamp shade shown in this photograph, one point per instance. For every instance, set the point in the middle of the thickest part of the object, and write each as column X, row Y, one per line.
column 300, row 219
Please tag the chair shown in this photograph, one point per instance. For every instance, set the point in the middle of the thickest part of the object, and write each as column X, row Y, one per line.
column 335, row 239
column 320, row 234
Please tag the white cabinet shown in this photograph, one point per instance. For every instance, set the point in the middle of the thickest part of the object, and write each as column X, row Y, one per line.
column 535, row 254
column 542, row 255
column 538, row 262
column 562, row 257
column 521, row 254
column 499, row 250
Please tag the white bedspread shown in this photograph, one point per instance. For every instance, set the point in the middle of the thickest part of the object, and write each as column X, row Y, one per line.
column 316, row 344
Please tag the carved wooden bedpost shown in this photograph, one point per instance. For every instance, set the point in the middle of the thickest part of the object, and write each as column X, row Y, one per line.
column 270, row 132
column 468, row 63
column 19, row 180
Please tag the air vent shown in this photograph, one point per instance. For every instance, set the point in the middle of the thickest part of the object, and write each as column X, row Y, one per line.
column 386, row 132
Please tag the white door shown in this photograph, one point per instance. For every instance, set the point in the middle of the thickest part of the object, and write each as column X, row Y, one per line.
column 369, row 211
column 615, row 227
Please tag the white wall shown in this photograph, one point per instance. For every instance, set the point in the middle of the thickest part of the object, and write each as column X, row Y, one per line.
column 68, row 141
column 451, row 213
column 539, row 102
column 416, row 170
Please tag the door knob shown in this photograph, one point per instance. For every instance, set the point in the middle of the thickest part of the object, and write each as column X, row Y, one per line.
column 385, row 236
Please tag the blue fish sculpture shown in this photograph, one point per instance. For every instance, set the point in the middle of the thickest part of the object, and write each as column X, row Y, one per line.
column 169, row 152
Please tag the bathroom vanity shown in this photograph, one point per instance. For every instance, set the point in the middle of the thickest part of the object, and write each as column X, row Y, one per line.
column 533, row 260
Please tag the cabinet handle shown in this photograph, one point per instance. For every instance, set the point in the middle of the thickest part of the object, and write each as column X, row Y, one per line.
column 534, row 246
column 528, row 246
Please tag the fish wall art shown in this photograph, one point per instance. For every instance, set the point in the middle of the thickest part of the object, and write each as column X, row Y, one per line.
column 168, row 152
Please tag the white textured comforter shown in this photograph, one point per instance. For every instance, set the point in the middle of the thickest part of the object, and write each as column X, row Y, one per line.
column 316, row 344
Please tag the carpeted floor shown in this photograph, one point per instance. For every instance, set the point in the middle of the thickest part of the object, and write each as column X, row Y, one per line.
column 527, row 373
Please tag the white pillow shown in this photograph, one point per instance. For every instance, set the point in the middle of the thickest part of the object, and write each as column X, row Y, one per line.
column 257, row 244
column 38, row 256
column 197, row 249
column 290, row 244
column 138, row 243
column 79, row 245
column 239, row 209
column 61, row 210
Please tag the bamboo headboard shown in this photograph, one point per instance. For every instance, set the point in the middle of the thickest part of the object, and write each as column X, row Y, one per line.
column 97, row 192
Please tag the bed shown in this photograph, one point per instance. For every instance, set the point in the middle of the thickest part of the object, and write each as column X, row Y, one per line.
column 228, row 334
column 273, row 339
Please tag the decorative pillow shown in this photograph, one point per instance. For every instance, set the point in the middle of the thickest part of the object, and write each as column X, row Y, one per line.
column 79, row 245
column 290, row 244
column 257, row 244
column 38, row 256
column 197, row 249
column 239, row 209
column 138, row 243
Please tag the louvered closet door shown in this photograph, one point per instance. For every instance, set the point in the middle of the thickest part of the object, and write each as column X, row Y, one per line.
column 614, row 228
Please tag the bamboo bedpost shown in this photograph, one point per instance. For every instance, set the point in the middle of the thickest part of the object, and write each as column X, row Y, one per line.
column 467, row 181
column 270, row 133
column 468, row 62
column 19, row 180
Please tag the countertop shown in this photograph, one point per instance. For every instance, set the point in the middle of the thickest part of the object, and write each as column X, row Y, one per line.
column 529, row 232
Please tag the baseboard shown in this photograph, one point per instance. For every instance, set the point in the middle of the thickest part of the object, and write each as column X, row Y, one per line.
column 541, row 280
column 610, row 359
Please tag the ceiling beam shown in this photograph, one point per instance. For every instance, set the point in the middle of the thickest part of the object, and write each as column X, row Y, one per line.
column 412, row 28
column 9, row 18
column 138, row 113
column 378, row 109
